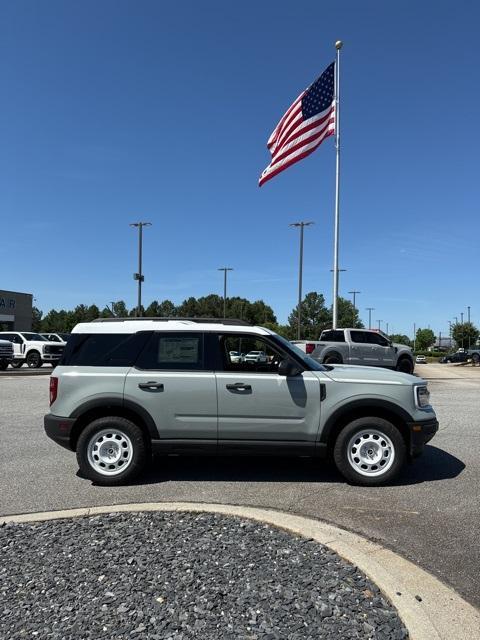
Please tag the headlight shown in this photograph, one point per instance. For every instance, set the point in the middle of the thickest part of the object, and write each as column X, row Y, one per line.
column 422, row 396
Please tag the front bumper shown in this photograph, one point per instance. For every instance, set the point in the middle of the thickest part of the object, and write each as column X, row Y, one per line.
column 59, row 429
column 421, row 432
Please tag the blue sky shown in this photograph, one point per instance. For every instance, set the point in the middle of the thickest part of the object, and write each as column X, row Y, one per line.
column 116, row 111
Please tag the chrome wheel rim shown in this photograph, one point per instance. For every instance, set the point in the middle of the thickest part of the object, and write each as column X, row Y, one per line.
column 109, row 452
column 370, row 452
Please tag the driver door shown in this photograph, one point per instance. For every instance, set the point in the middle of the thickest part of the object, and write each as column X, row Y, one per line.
column 256, row 405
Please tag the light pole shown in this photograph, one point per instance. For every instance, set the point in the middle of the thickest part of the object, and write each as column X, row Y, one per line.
column 370, row 309
column 354, row 307
column 387, row 329
column 300, row 275
column 461, row 317
column 468, row 316
column 379, row 322
column 113, row 308
column 225, row 269
column 139, row 276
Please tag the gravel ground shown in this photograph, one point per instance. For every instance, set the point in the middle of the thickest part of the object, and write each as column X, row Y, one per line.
column 179, row 576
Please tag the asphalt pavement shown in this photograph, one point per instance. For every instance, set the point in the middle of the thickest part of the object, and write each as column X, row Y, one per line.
column 430, row 515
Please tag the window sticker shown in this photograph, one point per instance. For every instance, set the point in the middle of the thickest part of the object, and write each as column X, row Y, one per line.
column 178, row 350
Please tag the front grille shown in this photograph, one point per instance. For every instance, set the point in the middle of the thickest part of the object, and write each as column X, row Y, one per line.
column 53, row 348
column 6, row 351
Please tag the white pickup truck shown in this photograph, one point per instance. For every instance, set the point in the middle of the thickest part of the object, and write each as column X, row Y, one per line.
column 6, row 354
column 358, row 346
column 33, row 349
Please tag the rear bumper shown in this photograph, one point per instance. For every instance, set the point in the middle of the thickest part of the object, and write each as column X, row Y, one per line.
column 421, row 432
column 59, row 429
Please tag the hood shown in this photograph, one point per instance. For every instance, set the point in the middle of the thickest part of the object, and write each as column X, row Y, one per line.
column 368, row 375
column 401, row 346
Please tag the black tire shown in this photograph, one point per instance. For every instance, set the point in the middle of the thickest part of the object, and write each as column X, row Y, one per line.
column 392, row 444
column 3, row 365
column 405, row 365
column 127, row 432
column 333, row 358
column 476, row 358
column 16, row 364
column 34, row 360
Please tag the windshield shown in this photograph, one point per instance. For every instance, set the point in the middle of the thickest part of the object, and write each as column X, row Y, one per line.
column 34, row 336
column 309, row 362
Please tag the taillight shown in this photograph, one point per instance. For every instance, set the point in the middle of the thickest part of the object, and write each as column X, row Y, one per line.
column 309, row 347
column 53, row 389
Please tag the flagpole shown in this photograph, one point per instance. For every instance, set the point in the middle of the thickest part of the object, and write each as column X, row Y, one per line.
column 338, row 46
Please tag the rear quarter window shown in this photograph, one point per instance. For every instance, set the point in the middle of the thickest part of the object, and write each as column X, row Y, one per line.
column 104, row 349
column 332, row 336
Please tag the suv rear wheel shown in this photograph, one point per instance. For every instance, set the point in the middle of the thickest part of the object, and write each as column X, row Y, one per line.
column 369, row 451
column 112, row 450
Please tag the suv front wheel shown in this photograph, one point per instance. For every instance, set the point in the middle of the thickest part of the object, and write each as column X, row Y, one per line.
column 369, row 451
column 112, row 451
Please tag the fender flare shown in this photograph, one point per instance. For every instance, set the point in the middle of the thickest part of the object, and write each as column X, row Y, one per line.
column 373, row 404
column 105, row 401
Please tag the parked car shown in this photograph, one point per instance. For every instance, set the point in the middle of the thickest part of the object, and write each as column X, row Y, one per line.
column 420, row 360
column 256, row 356
column 459, row 356
column 32, row 348
column 236, row 356
column 127, row 388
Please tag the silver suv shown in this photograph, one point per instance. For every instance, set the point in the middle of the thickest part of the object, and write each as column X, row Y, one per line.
column 127, row 388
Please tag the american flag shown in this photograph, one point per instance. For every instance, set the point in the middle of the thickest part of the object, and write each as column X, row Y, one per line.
column 305, row 125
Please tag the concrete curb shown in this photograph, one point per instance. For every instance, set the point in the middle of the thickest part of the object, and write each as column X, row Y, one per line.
column 429, row 609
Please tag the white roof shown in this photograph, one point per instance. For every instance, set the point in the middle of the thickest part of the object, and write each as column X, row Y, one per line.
column 132, row 326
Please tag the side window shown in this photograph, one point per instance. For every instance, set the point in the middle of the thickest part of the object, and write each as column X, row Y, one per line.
column 376, row 338
column 104, row 349
column 248, row 353
column 358, row 336
column 169, row 350
column 6, row 336
column 17, row 339
column 333, row 336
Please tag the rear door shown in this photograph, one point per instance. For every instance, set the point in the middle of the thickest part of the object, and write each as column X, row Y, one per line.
column 171, row 381
column 360, row 349
column 382, row 353
column 256, row 405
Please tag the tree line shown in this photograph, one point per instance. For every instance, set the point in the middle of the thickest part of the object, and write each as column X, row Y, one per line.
column 315, row 315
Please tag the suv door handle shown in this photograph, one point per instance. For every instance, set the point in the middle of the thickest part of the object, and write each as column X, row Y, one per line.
column 239, row 386
column 151, row 386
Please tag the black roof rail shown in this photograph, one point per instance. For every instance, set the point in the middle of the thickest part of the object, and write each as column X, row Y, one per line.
column 228, row 321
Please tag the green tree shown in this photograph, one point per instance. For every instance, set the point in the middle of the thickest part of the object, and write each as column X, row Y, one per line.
column 36, row 319
column 259, row 313
column 347, row 315
column 424, row 338
column 400, row 339
column 120, row 309
column 465, row 335
column 315, row 317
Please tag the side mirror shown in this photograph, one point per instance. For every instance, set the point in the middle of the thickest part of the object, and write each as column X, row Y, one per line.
column 288, row 368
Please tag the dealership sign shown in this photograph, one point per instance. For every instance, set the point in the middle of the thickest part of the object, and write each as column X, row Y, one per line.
column 7, row 303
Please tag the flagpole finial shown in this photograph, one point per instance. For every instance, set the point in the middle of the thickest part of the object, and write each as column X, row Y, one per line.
column 338, row 44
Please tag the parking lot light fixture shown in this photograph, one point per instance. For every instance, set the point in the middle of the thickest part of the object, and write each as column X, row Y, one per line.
column 370, row 309
column 139, row 276
column 225, row 269
column 354, row 307
column 301, row 225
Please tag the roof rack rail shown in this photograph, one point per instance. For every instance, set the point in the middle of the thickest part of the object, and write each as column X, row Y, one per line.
column 233, row 321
